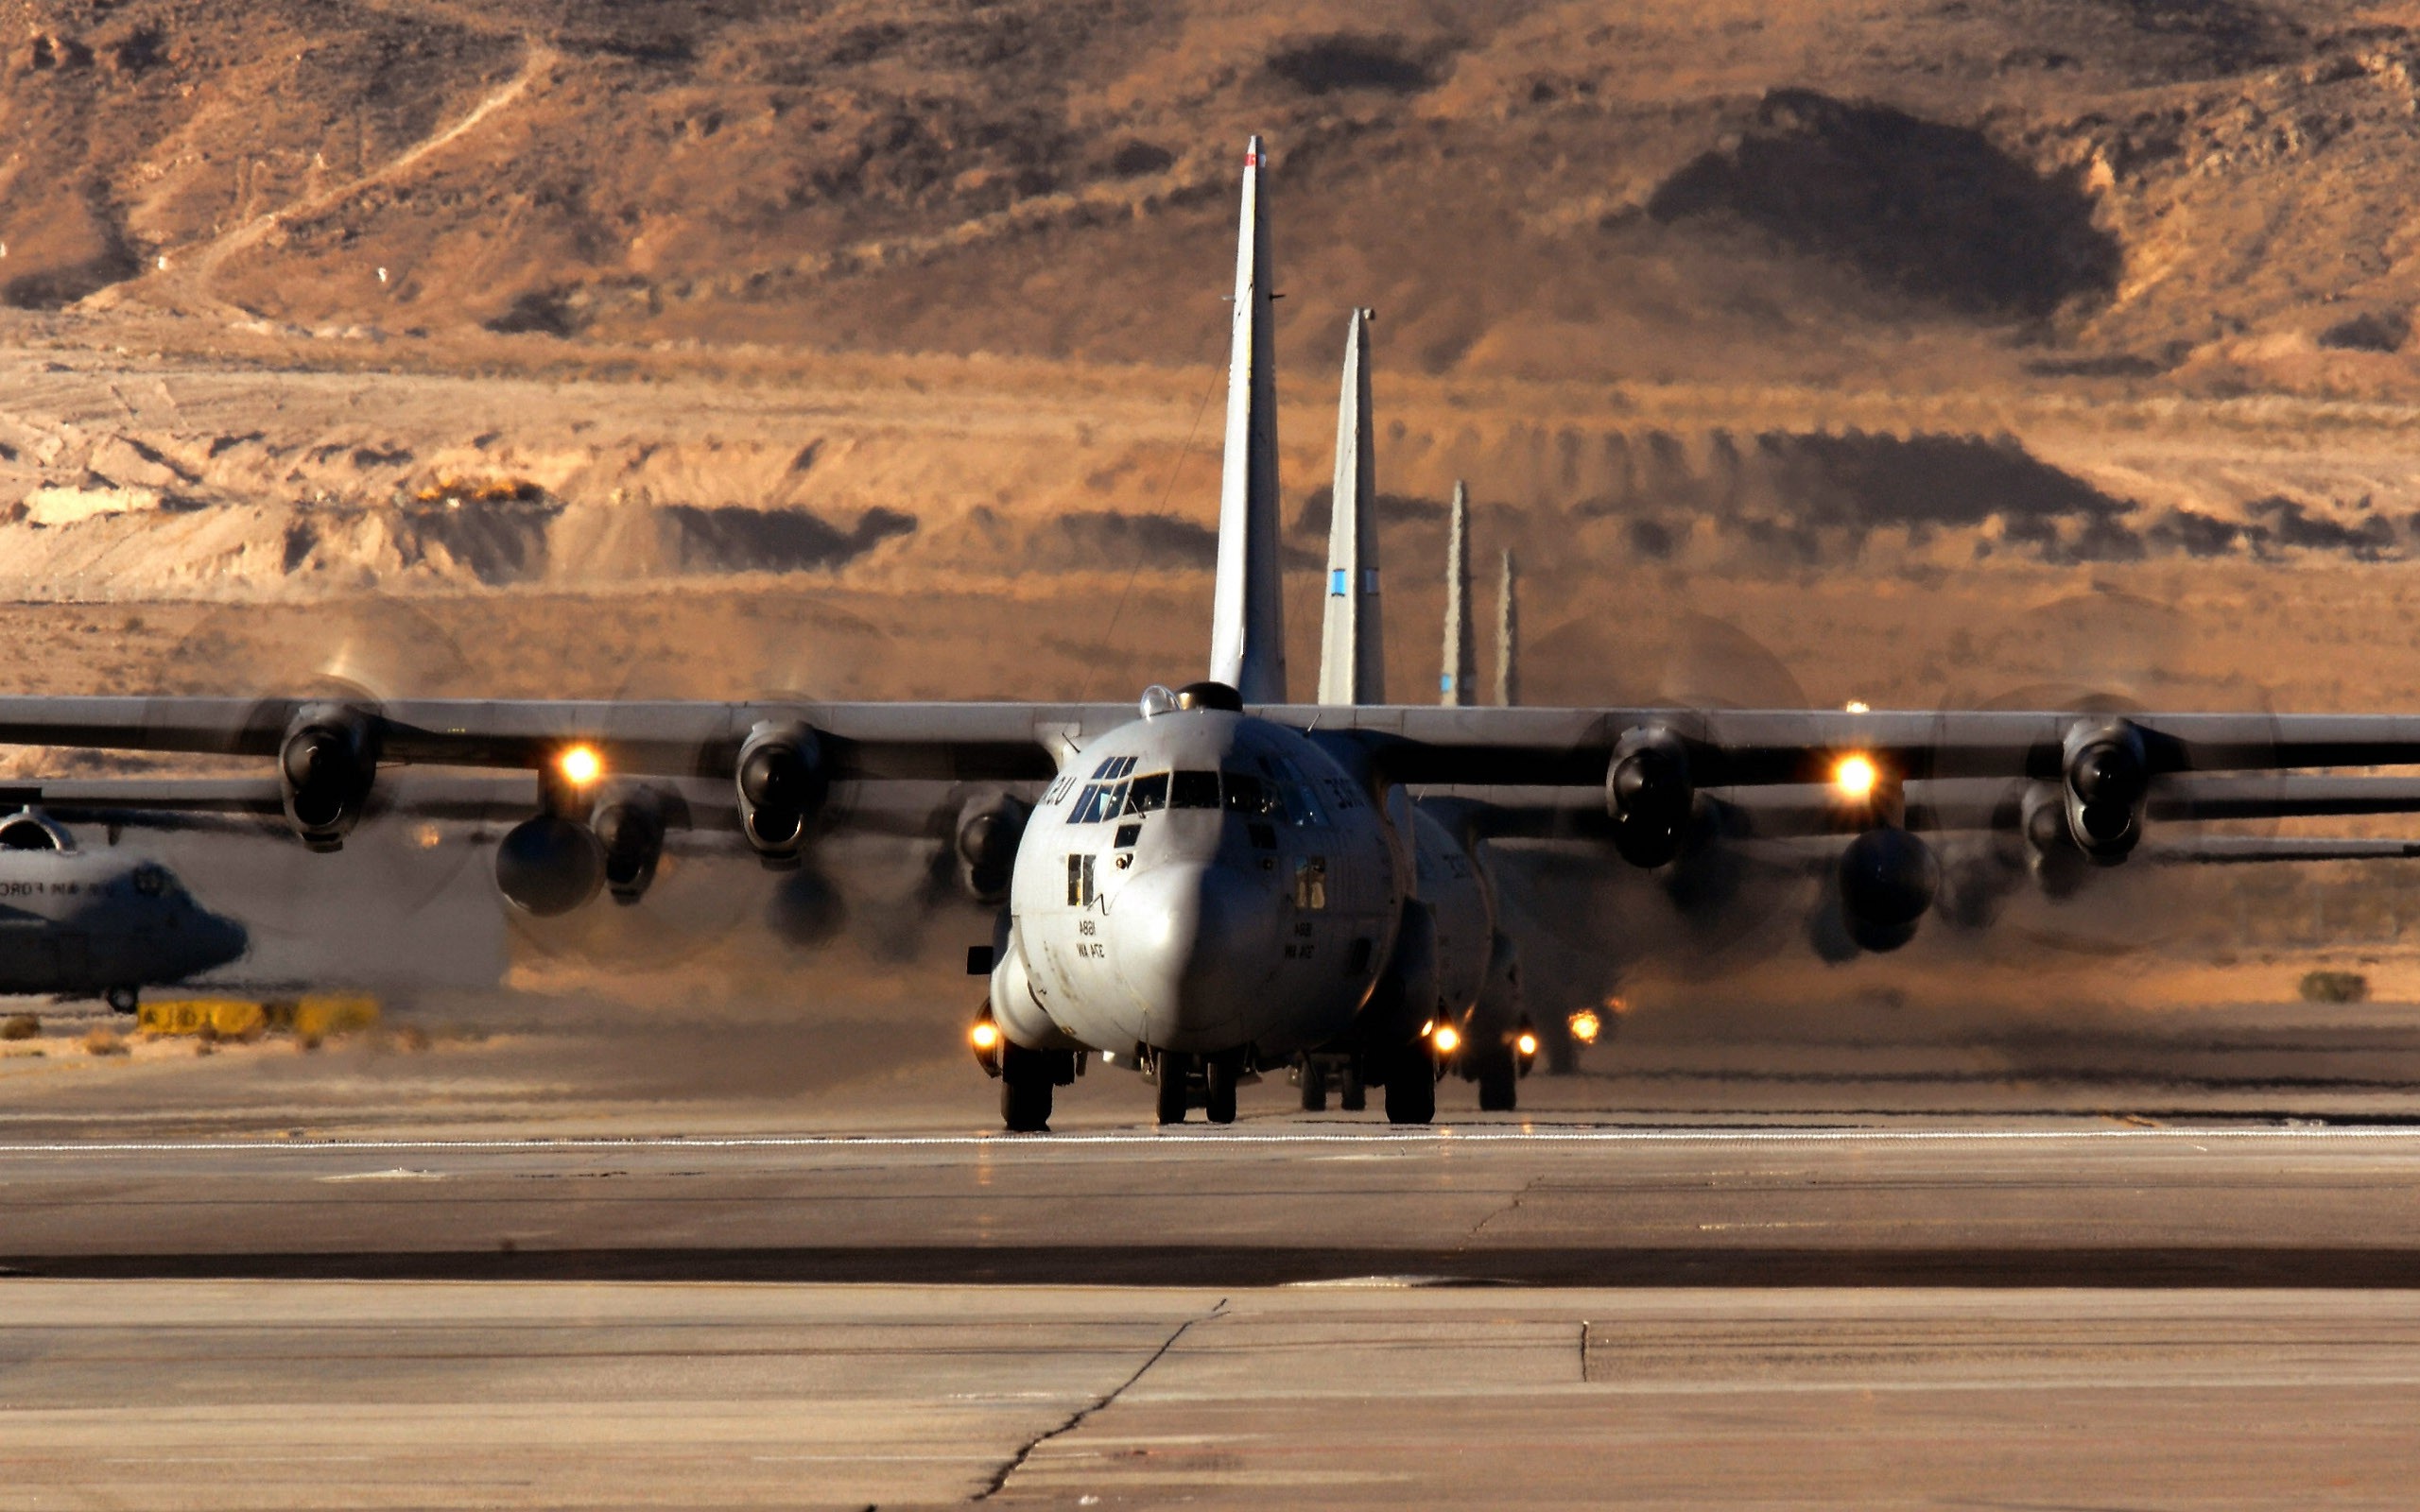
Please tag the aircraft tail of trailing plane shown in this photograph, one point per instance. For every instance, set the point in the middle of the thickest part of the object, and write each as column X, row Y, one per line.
column 1353, row 667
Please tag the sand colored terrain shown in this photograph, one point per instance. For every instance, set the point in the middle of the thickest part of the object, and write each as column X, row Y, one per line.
column 1923, row 355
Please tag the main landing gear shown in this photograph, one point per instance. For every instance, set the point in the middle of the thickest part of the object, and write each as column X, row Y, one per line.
column 1027, row 1078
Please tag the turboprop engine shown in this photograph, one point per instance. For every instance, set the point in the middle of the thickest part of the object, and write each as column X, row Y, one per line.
column 984, row 844
column 1888, row 878
column 326, row 769
column 549, row 865
column 1649, row 794
column 630, row 828
column 782, row 783
column 2107, row 777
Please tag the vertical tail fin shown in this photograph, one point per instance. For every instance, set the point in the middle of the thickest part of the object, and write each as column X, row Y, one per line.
column 1462, row 648
column 1507, row 636
column 1248, row 624
column 1353, row 664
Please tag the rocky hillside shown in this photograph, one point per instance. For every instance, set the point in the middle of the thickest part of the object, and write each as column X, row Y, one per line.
column 2072, row 191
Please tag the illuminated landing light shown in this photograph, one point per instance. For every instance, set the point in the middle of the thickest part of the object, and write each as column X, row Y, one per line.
column 1856, row 776
column 427, row 836
column 1527, row 1044
column 1856, row 706
column 580, row 766
column 1586, row 1026
column 1448, row 1040
column 985, row 1035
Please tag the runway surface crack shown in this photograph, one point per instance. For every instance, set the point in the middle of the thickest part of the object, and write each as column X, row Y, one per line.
column 1511, row 1204
column 1082, row 1415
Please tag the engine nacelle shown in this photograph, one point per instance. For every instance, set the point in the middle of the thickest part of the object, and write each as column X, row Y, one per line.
column 630, row 830
column 2059, row 866
column 326, row 769
column 990, row 827
column 2107, row 777
column 1650, row 794
column 1888, row 879
column 1405, row 994
column 549, row 865
column 782, row 783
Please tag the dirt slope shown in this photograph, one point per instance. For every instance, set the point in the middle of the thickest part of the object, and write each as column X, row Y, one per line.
column 1529, row 188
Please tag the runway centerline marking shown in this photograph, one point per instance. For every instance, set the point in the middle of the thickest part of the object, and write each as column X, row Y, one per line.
column 1409, row 1141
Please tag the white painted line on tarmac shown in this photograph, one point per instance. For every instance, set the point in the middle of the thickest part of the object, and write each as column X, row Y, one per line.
column 1415, row 1139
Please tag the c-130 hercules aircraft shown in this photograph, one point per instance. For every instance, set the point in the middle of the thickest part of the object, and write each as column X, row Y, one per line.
column 1223, row 881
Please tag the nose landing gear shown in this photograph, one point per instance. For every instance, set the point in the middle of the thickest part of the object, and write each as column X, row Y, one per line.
column 1208, row 1080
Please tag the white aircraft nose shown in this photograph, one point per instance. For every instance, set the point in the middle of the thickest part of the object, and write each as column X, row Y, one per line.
column 1193, row 941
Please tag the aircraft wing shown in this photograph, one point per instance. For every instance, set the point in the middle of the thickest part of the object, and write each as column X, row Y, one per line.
column 959, row 741
column 1417, row 744
column 909, row 809
column 1806, row 808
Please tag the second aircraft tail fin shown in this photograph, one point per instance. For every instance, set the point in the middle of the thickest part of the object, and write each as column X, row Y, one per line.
column 1352, row 665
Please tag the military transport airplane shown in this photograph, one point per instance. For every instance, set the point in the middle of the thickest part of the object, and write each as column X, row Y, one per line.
column 84, row 924
column 1218, row 881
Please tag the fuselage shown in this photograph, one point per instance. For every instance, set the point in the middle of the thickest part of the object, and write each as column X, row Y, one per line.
column 81, row 924
column 1201, row 882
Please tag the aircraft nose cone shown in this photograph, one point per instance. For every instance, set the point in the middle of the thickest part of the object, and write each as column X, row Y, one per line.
column 219, row 939
column 1189, row 941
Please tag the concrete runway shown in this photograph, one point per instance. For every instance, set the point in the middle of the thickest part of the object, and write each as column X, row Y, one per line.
column 371, row 1280
column 2076, row 1316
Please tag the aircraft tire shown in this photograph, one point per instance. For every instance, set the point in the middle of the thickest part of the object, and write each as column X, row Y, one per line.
column 1499, row 1083
column 1411, row 1087
column 1172, row 1090
column 1222, row 1102
column 1025, row 1106
column 1314, row 1087
column 1351, row 1095
column 122, row 999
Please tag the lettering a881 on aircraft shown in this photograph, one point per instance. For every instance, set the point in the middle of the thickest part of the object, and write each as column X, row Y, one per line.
column 1227, row 880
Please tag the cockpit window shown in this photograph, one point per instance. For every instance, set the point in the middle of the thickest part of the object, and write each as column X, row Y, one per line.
column 1147, row 795
column 1194, row 790
column 1101, row 801
column 1291, row 796
column 1248, row 795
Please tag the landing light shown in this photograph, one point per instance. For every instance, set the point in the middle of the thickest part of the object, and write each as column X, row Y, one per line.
column 985, row 1034
column 1447, row 1038
column 1856, row 706
column 1854, row 777
column 580, row 766
column 1586, row 1026
column 1527, row 1044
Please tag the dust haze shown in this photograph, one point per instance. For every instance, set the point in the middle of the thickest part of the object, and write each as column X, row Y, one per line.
column 1936, row 356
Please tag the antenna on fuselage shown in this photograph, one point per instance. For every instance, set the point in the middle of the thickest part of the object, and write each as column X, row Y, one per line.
column 1353, row 663
column 1248, row 623
column 1461, row 650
